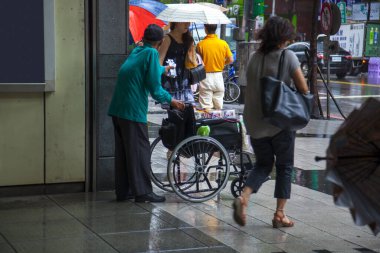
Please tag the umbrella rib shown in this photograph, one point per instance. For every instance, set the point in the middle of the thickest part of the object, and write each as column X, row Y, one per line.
column 318, row 158
column 357, row 157
column 193, row 13
column 374, row 145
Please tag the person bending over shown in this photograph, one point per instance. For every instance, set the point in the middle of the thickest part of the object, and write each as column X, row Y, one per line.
column 138, row 76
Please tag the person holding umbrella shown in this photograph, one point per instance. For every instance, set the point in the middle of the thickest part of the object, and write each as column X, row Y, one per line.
column 139, row 75
column 176, row 47
column 178, row 43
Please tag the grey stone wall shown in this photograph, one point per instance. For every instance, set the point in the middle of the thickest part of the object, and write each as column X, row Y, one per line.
column 112, row 27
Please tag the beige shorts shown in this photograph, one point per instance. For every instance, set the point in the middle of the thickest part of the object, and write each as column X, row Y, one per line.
column 211, row 91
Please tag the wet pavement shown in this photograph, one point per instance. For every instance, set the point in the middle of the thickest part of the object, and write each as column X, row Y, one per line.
column 95, row 222
column 349, row 92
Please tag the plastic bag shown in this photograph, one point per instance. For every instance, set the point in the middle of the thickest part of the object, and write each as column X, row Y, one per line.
column 247, row 147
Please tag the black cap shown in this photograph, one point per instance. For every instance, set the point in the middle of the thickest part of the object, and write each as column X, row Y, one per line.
column 153, row 33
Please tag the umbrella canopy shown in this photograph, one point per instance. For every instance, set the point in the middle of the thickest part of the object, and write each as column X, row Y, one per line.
column 143, row 13
column 215, row 6
column 201, row 26
column 196, row 13
column 154, row 7
column 353, row 164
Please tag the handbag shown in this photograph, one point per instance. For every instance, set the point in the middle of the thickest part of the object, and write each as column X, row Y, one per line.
column 178, row 126
column 198, row 73
column 283, row 106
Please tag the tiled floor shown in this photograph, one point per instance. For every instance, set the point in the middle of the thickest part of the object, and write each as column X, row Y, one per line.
column 320, row 225
column 94, row 222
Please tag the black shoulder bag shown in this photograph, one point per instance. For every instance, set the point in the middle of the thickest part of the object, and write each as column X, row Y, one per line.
column 178, row 126
column 283, row 106
column 198, row 73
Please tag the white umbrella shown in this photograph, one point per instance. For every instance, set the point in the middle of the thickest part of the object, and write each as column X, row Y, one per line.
column 196, row 13
column 215, row 6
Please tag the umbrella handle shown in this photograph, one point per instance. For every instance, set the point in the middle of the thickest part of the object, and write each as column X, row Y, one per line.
column 320, row 158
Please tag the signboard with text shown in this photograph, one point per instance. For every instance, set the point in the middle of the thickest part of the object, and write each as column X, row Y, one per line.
column 342, row 8
column 235, row 9
column 360, row 11
column 372, row 47
column 351, row 38
column 348, row 4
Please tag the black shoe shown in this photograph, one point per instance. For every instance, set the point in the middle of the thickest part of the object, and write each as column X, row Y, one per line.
column 150, row 197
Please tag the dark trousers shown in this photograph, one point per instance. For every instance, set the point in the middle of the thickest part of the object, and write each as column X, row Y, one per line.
column 132, row 158
column 278, row 150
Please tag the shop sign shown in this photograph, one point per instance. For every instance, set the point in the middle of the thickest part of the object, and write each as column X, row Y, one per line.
column 372, row 40
column 360, row 11
column 342, row 7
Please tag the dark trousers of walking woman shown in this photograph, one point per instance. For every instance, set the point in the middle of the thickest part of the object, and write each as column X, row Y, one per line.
column 132, row 158
column 278, row 150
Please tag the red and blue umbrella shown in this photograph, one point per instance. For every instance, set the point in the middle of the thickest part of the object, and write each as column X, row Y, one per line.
column 143, row 13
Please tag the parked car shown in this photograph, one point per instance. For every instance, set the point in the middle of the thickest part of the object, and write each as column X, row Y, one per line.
column 340, row 63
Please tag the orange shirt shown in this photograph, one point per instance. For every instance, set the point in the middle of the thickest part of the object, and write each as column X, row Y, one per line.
column 214, row 52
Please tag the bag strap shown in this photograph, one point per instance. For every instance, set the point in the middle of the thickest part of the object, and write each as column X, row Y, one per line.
column 199, row 59
column 171, row 38
column 280, row 63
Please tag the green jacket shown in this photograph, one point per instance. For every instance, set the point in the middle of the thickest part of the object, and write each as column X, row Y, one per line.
column 139, row 75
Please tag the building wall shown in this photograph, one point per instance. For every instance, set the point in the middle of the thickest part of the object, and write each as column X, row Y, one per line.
column 65, row 108
column 302, row 8
column 42, row 136
column 21, row 138
column 111, row 50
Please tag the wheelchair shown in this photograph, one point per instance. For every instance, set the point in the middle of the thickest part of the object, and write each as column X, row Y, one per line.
column 197, row 168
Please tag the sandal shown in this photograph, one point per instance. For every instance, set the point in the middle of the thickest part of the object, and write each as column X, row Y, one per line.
column 239, row 216
column 281, row 221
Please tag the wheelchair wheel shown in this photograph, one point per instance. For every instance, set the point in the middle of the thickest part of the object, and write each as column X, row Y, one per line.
column 158, row 165
column 198, row 168
column 237, row 186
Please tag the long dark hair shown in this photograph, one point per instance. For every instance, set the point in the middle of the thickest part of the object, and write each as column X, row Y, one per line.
column 187, row 38
column 276, row 31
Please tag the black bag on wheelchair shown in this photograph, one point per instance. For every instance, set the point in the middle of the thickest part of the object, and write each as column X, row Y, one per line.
column 178, row 126
column 226, row 131
column 168, row 134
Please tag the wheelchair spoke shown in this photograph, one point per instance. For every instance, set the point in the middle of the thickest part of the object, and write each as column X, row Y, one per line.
column 199, row 168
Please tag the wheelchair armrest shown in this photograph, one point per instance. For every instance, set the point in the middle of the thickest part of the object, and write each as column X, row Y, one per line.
column 216, row 121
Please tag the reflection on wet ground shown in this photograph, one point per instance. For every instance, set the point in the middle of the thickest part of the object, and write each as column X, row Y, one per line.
column 349, row 93
column 331, row 233
column 312, row 179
